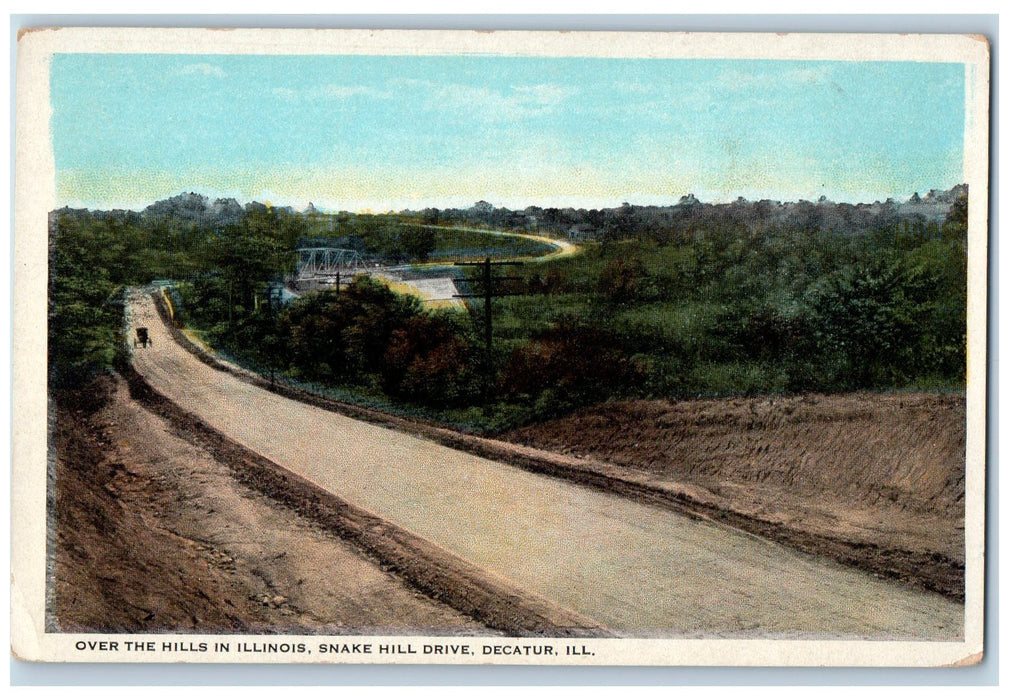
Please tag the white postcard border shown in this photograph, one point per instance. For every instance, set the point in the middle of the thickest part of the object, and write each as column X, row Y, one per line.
column 35, row 197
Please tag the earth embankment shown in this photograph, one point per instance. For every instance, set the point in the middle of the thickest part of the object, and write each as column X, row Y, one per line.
column 875, row 480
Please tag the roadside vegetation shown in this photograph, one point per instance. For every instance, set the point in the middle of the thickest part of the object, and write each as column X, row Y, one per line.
column 687, row 302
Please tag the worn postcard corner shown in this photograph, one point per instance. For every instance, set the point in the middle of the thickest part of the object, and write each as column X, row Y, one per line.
column 499, row 348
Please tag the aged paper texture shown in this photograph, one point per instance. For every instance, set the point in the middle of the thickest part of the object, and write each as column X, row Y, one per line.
column 499, row 347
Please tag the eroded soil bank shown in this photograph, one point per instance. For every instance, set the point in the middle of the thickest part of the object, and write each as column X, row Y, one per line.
column 872, row 480
column 154, row 534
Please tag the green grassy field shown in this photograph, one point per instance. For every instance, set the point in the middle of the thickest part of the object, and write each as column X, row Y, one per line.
column 456, row 244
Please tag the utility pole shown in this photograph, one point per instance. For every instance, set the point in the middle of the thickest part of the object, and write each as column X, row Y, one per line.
column 488, row 293
column 275, row 300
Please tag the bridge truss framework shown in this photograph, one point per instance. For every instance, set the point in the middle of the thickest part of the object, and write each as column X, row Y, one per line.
column 323, row 264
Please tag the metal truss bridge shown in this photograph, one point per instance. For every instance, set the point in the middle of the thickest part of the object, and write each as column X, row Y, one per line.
column 321, row 265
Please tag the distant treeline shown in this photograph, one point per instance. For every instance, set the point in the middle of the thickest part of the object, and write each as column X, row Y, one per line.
column 677, row 301
column 659, row 223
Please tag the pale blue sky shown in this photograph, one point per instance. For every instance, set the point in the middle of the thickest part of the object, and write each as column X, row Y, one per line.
column 388, row 132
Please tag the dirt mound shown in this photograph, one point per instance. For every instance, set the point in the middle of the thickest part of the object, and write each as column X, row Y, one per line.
column 870, row 470
column 908, row 450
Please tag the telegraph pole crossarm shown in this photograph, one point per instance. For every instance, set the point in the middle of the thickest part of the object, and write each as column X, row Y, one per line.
column 488, row 294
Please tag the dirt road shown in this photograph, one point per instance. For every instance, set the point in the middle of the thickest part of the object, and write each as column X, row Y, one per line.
column 636, row 569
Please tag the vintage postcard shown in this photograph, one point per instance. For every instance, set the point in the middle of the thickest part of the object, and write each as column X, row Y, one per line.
column 499, row 347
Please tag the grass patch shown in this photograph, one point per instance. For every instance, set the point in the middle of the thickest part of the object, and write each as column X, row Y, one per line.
column 455, row 244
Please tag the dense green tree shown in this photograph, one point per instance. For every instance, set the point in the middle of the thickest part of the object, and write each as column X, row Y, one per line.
column 84, row 309
column 246, row 257
column 417, row 242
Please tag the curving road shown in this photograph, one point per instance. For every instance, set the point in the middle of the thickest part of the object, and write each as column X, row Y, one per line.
column 562, row 248
column 637, row 569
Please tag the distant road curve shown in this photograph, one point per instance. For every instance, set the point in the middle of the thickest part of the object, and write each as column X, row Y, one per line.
column 562, row 248
column 635, row 569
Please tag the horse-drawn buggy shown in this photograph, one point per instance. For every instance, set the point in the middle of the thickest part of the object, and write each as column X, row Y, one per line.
column 142, row 338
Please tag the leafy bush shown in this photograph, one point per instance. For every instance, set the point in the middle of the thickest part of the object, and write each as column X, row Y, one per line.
column 430, row 360
column 569, row 364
